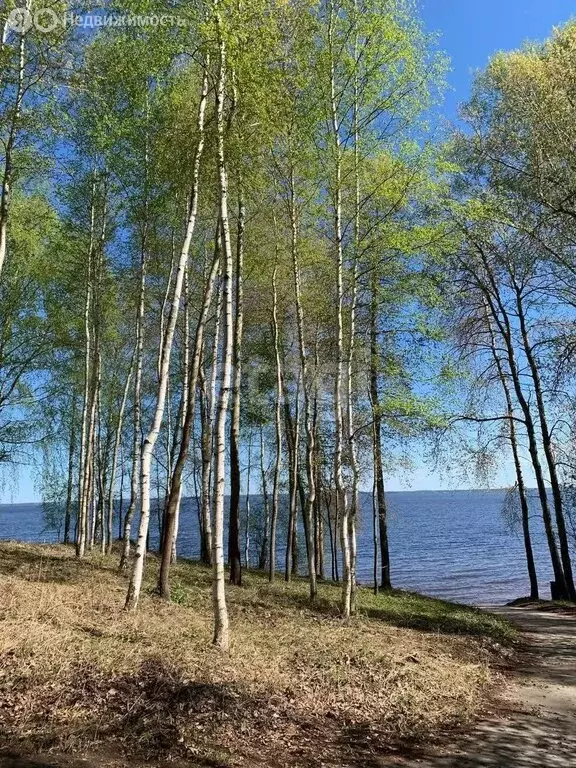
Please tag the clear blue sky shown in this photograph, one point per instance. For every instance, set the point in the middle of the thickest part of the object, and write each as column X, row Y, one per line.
column 470, row 32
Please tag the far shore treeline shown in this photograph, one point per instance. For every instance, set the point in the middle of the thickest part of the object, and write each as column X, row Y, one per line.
column 239, row 256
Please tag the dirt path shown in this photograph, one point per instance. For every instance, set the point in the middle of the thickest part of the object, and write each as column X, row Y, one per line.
column 540, row 727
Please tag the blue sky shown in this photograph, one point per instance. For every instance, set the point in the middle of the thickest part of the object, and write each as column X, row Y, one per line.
column 470, row 32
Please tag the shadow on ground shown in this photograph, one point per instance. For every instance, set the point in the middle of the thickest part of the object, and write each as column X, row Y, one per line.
column 526, row 741
column 14, row 760
column 539, row 730
column 404, row 609
column 41, row 566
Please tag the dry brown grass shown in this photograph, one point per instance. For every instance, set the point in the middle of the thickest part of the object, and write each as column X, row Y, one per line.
column 77, row 671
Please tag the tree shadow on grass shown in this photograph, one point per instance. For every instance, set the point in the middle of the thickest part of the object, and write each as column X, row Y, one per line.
column 394, row 607
column 36, row 564
column 413, row 611
column 155, row 713
column 400, row 609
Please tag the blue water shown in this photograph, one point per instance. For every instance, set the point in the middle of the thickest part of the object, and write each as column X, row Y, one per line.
column 449, row 544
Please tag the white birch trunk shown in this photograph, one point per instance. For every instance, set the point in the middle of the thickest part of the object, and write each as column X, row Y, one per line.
column 278, row 425
column 6, row 186
column 149, row 442
column 247, row 529
column 310, row 448
column 84, row 441
column 116, row 450
column 341, row 496
column 93, row 446
column 265, row 505
column 164, row 305
column 139, row 347
column 352, row 446
column 221, row 629
column 184, row 402
column 234, row 557
column 136, row 439
column 208, row 433
column 99, row 472
column 170, row 518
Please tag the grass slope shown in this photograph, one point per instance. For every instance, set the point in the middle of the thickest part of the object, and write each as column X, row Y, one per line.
column 78, row 674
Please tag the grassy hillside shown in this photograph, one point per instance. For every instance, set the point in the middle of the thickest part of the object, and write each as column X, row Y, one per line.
column 80, row 675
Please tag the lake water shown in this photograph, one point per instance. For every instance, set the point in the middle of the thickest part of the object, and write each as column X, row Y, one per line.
column 449, row 544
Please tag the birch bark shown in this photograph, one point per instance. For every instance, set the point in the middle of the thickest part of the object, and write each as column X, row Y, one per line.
column 277, row 423
column 306, row 385
column 341, row 496
column 135, row 584
column 221, row 624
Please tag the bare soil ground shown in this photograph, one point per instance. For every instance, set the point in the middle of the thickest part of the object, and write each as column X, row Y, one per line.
column 537, row 728
column 83, row 683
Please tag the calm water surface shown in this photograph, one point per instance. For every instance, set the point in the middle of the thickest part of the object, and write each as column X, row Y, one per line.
column 449, row 544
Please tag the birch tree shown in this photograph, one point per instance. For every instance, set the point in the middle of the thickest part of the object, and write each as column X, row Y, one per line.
column 150, row 440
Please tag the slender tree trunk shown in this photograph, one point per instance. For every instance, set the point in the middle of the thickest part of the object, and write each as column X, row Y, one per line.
column 548, row 451
column 247, row 528
column 211, row 419
column 221, row 629
column 121, row 499
column 234, row 557
column 293, row 440
column 385, row 580
column 163, row 307
column 318, row 517
column 308, row 509
column 352, row 448
column 342, row 500
column 92, row 451
column 83, row 475
column 171, row 445
column 100, row 465
column 116, row 450
column 177, row 436
column 70, row 485
column 331, row 536
column 502, row 322
column 91, row 499
column 137, row 433
column 374, row 527
column 176, row 482
column 207, row 415
column 183, row 409
column 9, row 147
column 137, row 406
column 320, row 533
column 150, row 440
column 277, row 423
column 518, row 468
column 336, row 529
column 263, row 558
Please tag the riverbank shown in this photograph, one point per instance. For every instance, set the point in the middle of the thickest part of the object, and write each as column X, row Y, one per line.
column 80, row 676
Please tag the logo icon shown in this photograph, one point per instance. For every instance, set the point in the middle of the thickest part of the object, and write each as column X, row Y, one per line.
column 45, row 20
column 20, row 20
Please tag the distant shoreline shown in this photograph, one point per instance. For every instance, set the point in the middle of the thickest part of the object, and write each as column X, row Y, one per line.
column 501, row 489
